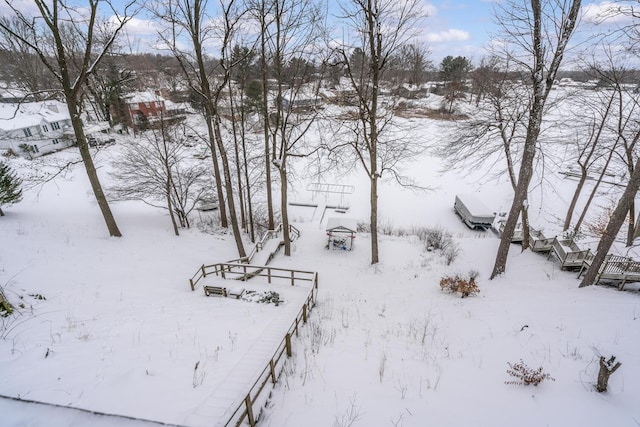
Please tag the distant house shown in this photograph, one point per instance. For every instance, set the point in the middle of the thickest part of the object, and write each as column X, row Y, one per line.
column 409, row 91
column 144, row 110
column 35, row 128
column 303, row 99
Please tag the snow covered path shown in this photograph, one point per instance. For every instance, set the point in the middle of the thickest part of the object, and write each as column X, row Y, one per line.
column 224, row 399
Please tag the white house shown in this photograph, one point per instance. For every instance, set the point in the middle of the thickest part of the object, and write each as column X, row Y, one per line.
column 35, row 128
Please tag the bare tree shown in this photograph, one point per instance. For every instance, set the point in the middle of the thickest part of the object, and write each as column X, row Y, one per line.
column 590, row 150
column 262, row 12
column 71, row 43
column 410, row 64
column 497, row 130
column 186, row 17
column 540, row 30
column 190, row 17
column 155, row 169
column 382, row 26
column 295, row 31
column 22, row 68
column 613, row 227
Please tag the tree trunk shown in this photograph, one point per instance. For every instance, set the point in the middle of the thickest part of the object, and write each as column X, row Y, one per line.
column 265, row 114
column 584, row 164
column 606, row 369
column 574, row 199
column 90, row 168
column 216, row 167
column 283, row 206
column 632, row 226
column 243, row 218
column 521, row 192
column 542, row 76
column 526, row 236
column 615, row 223
column 594, row 190
column 233, row 217
column 374, row 220
column 170, row 208
column 248, row 187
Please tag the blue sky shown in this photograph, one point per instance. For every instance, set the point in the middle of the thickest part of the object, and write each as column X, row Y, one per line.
column 458, row 28
column 453, row 27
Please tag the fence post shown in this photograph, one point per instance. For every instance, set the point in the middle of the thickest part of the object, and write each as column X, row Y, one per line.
column 287, row 342
column 193, row 288
column 247, row 401
column 304, row 312
column 269, row 274
column 293, row 280
column 222, row 271
column 297, row 321
column 315, row 280
column 273, row 371
column 204, row 273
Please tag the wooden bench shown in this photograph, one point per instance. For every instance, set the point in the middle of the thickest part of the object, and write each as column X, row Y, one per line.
column 215, row 290
column 236, row 292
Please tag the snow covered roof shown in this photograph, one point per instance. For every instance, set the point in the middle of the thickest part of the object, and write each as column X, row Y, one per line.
column 474, row 205
column 20, row 116
column 146, row 96
column 340, row 223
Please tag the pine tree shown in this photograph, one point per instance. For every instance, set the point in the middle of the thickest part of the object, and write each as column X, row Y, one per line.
column 10, row 191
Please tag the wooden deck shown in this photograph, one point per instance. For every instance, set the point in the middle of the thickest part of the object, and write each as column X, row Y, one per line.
column 616, row 268
column 570, row 254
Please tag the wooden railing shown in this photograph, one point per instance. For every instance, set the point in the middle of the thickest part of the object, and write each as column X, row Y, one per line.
column 244, row 407
column 240, row 271
column 294, row 233
column 616, row 268
column 570, row 254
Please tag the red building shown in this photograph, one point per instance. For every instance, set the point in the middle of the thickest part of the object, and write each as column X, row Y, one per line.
column 144, row 110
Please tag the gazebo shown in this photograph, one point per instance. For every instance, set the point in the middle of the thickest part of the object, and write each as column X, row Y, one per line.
column 341, row 231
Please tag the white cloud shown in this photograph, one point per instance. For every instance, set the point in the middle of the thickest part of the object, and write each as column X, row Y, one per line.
column 606, row 11
column 450, row 35
column 141, row 27
column 429, row 10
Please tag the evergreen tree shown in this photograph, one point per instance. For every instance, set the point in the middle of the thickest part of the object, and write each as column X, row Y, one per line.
column 10, row 191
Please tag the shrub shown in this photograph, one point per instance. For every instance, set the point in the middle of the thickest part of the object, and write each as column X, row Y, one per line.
column 10, row 183
column 451, row 253
column 457, row 283
column 436, row 238
column 525, row 375
column 270, row 297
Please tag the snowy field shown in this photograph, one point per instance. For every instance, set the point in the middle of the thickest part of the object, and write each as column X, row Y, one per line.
column 111, row 325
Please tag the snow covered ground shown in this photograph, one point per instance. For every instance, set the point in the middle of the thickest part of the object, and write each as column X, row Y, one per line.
column 111, row 325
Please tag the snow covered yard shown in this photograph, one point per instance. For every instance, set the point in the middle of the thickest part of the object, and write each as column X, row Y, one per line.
column 111, row 325
column 390, row 348
column 118, row 329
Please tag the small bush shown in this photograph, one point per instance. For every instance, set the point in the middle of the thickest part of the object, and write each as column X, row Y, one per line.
column 451, row 253
column 525, row 375
column 270, row 297
column 456, row 284
column 436, row 238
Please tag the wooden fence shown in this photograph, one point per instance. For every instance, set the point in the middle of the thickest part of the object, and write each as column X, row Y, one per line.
column 616, row 268
column 294, row 233
column 243, row 272
column 244, row 408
